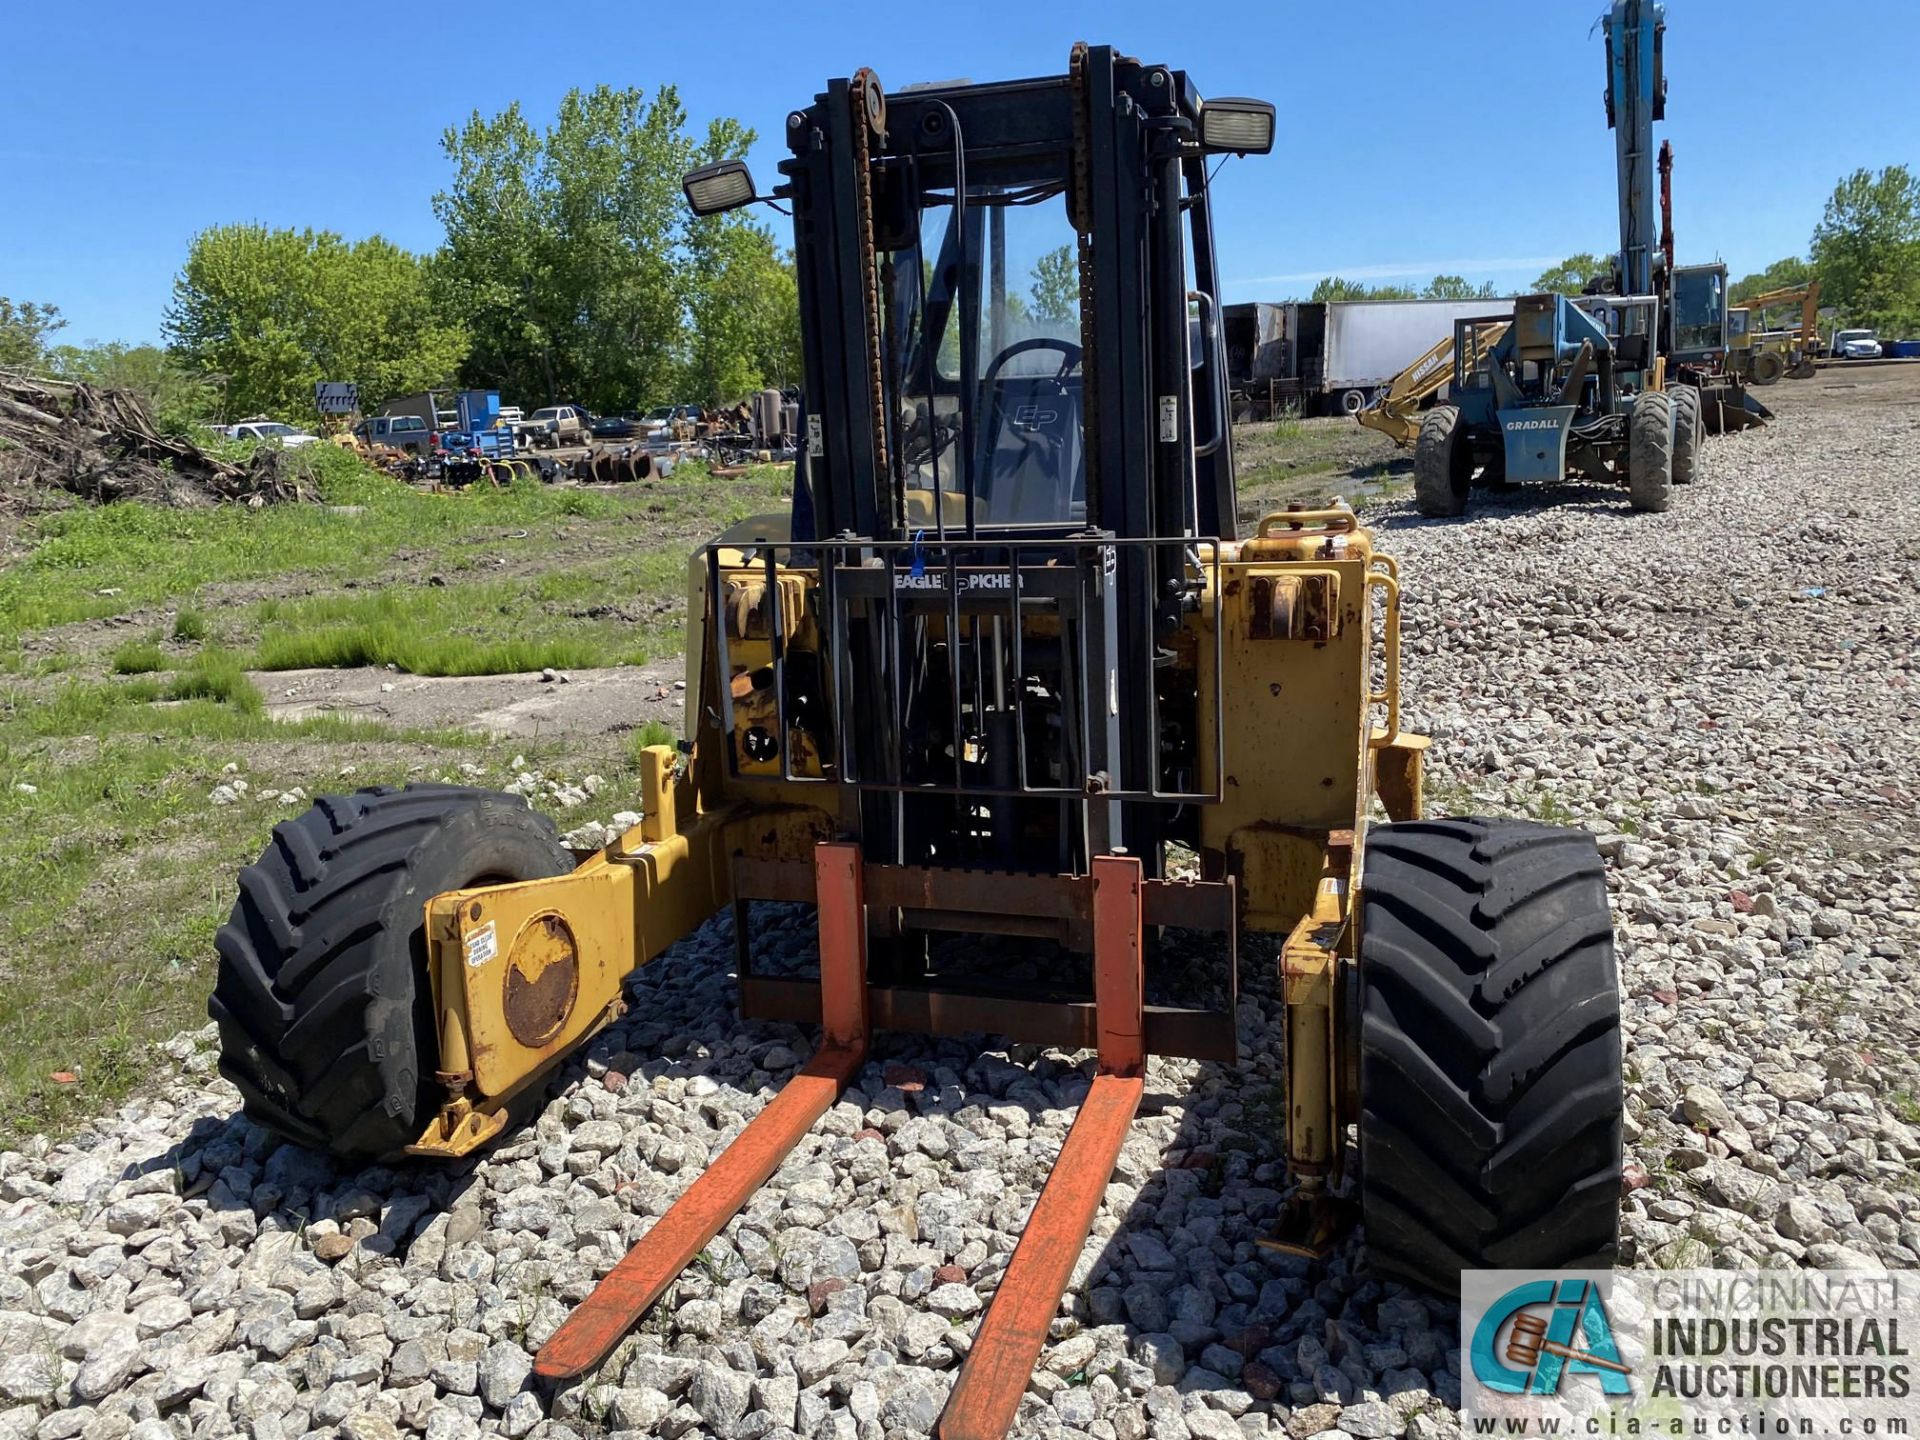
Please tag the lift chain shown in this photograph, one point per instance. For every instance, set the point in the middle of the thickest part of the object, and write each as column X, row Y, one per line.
column 1080, row 213
column 870, row 120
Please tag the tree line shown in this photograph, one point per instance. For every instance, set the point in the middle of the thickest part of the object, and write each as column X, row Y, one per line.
column 572, row 271
column 1865, row 252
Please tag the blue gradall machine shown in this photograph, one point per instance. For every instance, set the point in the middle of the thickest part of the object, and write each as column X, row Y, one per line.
column 1618, row 385
column 1566, row 388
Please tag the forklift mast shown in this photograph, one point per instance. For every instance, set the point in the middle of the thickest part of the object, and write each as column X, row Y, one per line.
column 902, row 210
column 1016, row 426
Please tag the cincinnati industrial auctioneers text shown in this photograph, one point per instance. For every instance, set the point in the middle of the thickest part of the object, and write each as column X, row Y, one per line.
column 1775, row 1356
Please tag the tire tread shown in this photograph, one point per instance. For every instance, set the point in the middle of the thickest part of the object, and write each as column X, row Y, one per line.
column 1490, row 1092
column 315, row 998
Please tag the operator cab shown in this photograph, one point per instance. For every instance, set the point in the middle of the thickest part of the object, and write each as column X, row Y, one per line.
column 997, row 277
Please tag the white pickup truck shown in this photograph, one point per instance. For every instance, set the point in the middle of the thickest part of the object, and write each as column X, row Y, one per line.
column 273, row 431
column 1855, row 345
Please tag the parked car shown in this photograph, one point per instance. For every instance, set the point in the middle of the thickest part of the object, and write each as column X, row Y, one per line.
column 1856, row 345
column 273, row 431
column 662, row 418
column 615, row 427
column 401, row 432
column 560, row 425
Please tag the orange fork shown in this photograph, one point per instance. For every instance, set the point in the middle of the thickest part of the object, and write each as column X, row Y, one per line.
column 987, row 1394
column 620, row 1299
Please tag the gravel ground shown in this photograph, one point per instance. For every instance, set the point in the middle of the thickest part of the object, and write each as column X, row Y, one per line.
column 1724, row 693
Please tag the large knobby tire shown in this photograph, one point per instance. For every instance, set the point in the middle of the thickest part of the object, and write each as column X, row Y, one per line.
column 1768, row 367
column 1650, row 452
column 325, row 1015
column 1687, row 428
column 1490, row 1069
column 1442, row 463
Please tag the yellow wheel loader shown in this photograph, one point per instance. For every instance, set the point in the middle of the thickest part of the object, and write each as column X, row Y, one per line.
column 1005, row 669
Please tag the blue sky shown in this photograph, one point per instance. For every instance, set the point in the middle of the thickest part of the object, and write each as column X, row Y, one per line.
column 1414, row 137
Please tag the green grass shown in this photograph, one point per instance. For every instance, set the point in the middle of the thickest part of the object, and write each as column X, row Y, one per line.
column 218, row 675
column 118, row 867
column 89, row 562
column 565, row 619
column 138, row 657
column 654, row 732
column 1291, row 460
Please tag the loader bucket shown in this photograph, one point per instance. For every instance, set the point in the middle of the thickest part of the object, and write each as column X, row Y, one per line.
column 1724, row 411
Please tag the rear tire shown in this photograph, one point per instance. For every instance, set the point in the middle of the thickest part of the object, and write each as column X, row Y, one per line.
column 1650, row 452
column 1442, row 464
column 1352, row 402
column 1687, row 426
column 1490, row 1065
column 1768, row 367
column 325, row 1023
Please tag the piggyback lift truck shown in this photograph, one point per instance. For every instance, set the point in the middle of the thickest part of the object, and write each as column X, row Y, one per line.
column 1002, row 664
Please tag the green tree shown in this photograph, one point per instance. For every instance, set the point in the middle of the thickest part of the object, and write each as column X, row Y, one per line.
column 1866, row 249
column 582, row 276
column 1787, row 274
column 274, row 312
column 1571, row 275
column 742, row 299
column 1456, row 287
column 1335, row 288
column 24, row 329
column 1056, row 286
column 745, row 312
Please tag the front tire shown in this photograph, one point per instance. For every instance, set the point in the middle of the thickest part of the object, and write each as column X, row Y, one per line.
column 1687, row 427
column 1650, row 452
column 1490, row 1064
column 326, row 1022
column 1442, row 464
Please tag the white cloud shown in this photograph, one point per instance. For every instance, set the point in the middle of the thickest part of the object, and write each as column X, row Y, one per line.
column 1425, row 269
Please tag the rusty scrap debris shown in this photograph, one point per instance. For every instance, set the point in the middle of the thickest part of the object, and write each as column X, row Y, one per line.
column 60, row 438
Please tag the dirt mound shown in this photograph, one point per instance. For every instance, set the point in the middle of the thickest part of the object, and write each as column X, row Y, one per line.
column 101, row 445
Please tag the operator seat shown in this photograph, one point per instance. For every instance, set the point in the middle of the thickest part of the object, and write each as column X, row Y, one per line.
column 1032, row 452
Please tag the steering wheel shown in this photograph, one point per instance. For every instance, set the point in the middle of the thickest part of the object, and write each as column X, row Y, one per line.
column 1070, row 355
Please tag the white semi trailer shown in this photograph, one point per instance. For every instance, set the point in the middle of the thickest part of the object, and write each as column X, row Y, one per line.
column 1320, row 357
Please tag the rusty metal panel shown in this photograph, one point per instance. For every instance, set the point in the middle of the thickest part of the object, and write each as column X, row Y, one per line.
column 1191, row 1034
column 1119, row 966
column 843, row 944
column 788, row 880
column 1189, row 904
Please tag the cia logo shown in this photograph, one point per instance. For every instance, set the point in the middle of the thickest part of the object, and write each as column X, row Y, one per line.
column 1538, row 1333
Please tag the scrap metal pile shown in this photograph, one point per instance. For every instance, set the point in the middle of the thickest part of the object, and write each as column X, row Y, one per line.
column 100, row 445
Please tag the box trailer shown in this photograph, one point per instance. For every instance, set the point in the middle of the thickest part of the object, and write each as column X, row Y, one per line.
column 1365, row 343
column 1319, row 357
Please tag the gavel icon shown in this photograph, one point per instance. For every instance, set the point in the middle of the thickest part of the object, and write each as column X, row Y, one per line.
column 1529, row 1342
